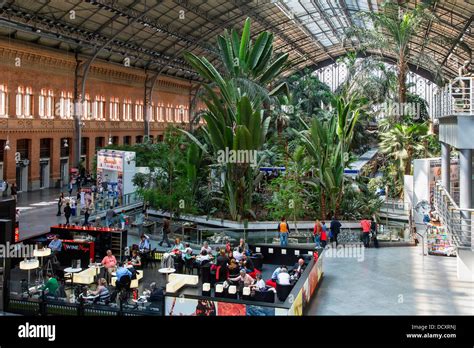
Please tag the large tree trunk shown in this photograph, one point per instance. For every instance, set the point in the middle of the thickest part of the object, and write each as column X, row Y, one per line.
column 402, row 76
column 323, row 204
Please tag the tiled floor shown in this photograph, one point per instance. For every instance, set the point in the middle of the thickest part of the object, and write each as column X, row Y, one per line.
column 393, row 281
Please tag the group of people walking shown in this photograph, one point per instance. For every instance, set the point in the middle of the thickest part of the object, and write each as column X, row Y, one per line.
column 324, row 234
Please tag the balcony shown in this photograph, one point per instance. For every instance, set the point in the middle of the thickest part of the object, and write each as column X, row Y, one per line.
column 455, row 99
column 454, row 110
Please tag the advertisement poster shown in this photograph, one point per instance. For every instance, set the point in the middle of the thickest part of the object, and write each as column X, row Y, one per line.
column 176, row 306
column 260, row 311
column 109, row 162
column 230, row 309
column 297, row 306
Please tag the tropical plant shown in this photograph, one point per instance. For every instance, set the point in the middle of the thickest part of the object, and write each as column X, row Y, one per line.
column 327, row 143
column 400, row 143
column 235, row 120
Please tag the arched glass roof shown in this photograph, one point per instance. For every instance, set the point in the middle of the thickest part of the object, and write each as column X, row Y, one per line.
column 155, row 33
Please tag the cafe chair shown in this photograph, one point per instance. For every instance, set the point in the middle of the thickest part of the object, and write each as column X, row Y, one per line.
column 257, row 260
column 283, row 291
column 246, row 293
column 264, row 296
column 205, row 271
column 232, row 292
column 189, row 266
column 219, row 290
column 206, row 289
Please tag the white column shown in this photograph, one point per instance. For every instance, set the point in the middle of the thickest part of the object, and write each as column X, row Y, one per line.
column 446, row 166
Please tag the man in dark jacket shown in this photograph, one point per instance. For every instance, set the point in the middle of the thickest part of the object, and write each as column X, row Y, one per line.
column 67, row 212
column 335, row 228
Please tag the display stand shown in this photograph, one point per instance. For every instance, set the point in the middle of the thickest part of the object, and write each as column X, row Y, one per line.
column 439, row 241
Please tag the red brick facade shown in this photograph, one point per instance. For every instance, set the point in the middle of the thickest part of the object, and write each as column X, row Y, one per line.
column 42, row 71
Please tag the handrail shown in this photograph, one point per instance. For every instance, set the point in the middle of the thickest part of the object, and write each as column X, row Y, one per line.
column 457, row 221
column 456, row 98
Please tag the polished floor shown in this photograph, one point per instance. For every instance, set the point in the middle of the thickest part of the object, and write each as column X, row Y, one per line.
column 392, row 281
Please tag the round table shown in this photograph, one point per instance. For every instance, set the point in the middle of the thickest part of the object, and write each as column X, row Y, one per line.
column 167, row 272
column 29, row 265
column 72, row 271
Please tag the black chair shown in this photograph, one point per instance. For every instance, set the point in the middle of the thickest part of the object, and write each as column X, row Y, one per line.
column 264, row 296
column 189, row 266
column 206, row 273
column 257, row 260
column 283, row 291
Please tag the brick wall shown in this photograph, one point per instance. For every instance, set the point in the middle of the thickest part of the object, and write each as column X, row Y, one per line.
column 36, row 67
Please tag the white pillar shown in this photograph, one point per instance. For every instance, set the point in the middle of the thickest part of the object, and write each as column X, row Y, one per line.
column 446, row 166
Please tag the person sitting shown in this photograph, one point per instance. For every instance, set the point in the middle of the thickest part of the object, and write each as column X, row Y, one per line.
column 244, row 246
column 203, row 256
column 55, row 245
column 261, row 286
column 188, row 257
column 135, row 261
column 238, row 254
column 272, row 281
column 178, row 247
column 84, row 296
column 51, row 287
column 283, row 277
column 242, row 280
column 234, row 269
column 157, row 296
column 122, row 272
column 144, row 245
column 247, row 263
column 109, row 262
column 298, row 269
column 102, row 293
column 205, row 246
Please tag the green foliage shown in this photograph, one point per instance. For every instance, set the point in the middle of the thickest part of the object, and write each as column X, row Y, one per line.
column 287, row 199
column 235, row 119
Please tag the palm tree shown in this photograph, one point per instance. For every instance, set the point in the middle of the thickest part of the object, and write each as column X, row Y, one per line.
column 401, row 24
column 401, row 143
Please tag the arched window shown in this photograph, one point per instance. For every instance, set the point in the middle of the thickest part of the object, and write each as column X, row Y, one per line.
column 3, row 101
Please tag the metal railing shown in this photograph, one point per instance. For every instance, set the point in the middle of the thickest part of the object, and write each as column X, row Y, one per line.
column 456, row 98
column 458, row 222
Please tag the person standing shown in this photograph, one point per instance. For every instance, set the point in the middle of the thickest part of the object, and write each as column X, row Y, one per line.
column 284, row 229
column 60, row 203
column 87, row 213
column 365, row 224
column 122, row 219
column 335, row 227
column 67, row 212
column 14, row 191
column 317, row 233
column 373, row 230
column 166, row 232
column 109, row 215
column 146, row 206
column 324, row 234
column 70, row 186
